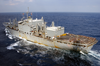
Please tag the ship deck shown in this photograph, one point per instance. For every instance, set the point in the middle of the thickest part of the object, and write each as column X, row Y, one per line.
column 72, row 38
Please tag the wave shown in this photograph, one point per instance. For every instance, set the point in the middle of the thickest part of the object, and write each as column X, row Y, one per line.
column 12, row 46
column 8, row 34
column 95, row 54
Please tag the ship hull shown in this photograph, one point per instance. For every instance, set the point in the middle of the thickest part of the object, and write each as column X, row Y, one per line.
column 47, row 42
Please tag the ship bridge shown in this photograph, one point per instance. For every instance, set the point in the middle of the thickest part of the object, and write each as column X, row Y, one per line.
column 27, row 25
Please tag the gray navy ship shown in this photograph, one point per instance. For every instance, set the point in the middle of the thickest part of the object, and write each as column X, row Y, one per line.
column 36, row 31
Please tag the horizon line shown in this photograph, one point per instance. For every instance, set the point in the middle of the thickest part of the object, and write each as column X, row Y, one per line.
column 51, row 12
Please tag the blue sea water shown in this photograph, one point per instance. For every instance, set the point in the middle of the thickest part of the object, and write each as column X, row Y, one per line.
column 14, row 52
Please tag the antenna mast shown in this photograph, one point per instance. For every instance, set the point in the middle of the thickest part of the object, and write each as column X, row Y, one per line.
column 27, row 12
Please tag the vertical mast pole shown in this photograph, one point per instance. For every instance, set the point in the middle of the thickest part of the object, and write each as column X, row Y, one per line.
column 27, row 12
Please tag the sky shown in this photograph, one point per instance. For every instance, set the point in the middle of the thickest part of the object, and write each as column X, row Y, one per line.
column 50, row 5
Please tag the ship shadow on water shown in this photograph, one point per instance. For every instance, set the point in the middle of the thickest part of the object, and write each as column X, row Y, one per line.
column 43, row 55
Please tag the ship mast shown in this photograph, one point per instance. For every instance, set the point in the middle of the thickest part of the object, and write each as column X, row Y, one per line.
column 27, row 12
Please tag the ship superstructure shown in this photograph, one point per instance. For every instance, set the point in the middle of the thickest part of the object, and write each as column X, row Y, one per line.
column 35, row 30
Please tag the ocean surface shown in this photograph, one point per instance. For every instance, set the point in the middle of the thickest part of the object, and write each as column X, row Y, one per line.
column 17, row 52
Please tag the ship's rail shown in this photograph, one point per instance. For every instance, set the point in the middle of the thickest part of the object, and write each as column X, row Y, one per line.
column 78, row 44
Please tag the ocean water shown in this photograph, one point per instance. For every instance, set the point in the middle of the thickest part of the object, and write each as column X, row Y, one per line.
column 17, row 52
